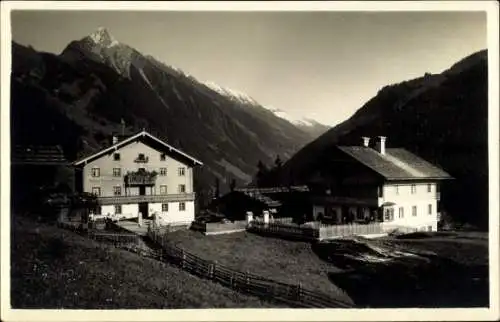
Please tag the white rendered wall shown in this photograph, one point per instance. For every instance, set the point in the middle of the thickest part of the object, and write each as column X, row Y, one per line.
column 174, row 215
column 402, row 196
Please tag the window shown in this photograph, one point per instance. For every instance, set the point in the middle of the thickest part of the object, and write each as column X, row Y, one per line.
column 163, row 171
column 117, row 172
column 163, row 189
column 182, row 206
column 96, row 172
column 141, row 158
column 182, row 188
column 429, row 187
column 429, row 209
column 429, row 228
column 142, row 169
column 414, row 211
column 413, row 189
column 397, row 189
column 117, row 191
column 116, row 156
column 182, row 171
column 163, row 157
column 96, row 191
column 401, row 212
column 164, row 207
column 118, row 209
column 389, row 214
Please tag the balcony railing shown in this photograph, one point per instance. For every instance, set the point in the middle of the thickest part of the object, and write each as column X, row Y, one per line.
column 140, row 178
column 117, row 200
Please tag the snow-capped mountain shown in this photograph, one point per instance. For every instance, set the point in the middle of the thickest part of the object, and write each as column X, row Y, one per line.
column 103, row 38
column 231, row 93
column 119, row 56
column 241, row 97
column 103, row 47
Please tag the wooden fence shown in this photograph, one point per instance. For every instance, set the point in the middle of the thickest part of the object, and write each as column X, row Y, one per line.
column 293, row 295
column 334, row 231
column 118, row 238
column 317, row 231
column 219, row 228
column 284, row 230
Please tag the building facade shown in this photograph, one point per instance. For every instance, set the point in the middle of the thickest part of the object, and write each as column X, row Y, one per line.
column 38, row 169
column 375, row 184
column 141, row 176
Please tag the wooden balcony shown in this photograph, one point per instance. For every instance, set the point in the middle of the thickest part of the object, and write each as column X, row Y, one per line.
column 118, row 200
column 139, row 178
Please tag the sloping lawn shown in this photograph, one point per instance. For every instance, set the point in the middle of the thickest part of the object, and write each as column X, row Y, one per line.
column 282, row 260
column 53, row 268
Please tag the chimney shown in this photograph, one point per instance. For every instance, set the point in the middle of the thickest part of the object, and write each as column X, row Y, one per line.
column 366, row 141
column 381, row 144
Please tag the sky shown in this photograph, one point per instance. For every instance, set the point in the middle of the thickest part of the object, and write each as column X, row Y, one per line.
column 322, row 65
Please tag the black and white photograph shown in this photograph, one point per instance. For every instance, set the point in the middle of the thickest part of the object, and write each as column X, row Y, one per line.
column 303, row 160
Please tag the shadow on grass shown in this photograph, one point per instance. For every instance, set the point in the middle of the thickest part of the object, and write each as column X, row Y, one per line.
column 424, row 281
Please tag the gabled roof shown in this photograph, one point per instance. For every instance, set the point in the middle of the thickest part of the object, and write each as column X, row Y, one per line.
column 133, row 138
column 38, row 155
column 396, row 163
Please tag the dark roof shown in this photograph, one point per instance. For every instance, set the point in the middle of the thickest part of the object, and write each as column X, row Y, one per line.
column 259, row 197
column 38, row 155
column 274, row 189
column 139, row 136
column 396, row 163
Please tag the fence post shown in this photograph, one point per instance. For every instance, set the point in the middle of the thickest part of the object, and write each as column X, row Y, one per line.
column 299, row 291
column 247, row 280
column 214, row 266
column 231, row 281
column 183, row 259
column 211, row 269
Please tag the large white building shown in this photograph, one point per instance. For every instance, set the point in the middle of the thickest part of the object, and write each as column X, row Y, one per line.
column 388, row 185
column 140, row 176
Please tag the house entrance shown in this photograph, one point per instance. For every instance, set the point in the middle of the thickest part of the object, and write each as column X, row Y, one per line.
column 143, row 209
column 142, row 190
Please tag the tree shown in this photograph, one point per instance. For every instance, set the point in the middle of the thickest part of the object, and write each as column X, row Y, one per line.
column 217, row 188
column 276, row 172
column 262, row 173
column 278, row 163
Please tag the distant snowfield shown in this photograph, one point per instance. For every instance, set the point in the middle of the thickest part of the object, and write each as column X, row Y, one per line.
column 245, row 98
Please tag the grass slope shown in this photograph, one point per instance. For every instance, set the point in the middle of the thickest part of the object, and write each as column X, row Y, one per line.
column 52, row 268
column 285, row 261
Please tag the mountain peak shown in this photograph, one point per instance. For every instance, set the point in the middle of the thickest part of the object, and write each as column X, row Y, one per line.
column 102, row 37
